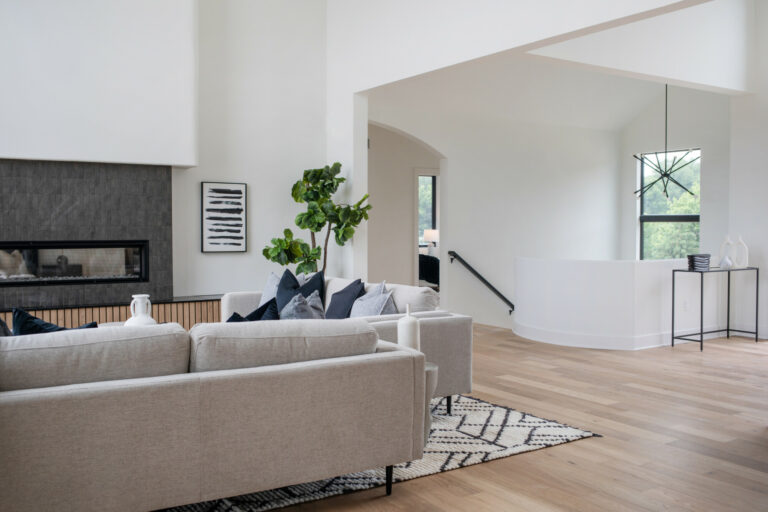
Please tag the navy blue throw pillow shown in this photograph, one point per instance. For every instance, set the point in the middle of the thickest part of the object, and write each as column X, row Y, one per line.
column 4, row 330
column 24, row 323
column 236, row 317
column 289, row 287
column 341, row 301
column 267, row 311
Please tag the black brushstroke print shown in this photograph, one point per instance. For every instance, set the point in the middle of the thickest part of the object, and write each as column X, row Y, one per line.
column 228, row 191
column 235, row 211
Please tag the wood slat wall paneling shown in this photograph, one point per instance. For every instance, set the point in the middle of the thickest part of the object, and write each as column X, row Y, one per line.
column 187, row 314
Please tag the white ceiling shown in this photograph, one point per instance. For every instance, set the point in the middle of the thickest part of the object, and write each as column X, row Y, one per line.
column 522, row 88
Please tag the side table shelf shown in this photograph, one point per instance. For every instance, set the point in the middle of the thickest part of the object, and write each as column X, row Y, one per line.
column 728, row 330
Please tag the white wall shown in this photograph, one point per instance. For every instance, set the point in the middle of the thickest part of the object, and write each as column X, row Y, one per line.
column 708, row 45
column 615, row 305
column 510, row 190
column 373, row 43
column 261, row 103
column 749, row 177
column 697, row 119
column 510, row 187
column 98, row 81
column 394, row 161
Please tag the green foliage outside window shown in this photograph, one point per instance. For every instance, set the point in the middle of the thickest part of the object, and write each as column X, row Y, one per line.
column 425, row 206
column 664, row 240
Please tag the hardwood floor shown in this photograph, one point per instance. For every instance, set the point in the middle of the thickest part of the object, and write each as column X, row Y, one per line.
column 683, row 430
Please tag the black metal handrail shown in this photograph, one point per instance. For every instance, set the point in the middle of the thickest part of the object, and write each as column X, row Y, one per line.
column 454, row 255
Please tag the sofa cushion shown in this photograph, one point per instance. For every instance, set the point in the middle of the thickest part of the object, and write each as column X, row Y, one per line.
column 289, row 286
column 420, row 298
column 301, row 308
column 341, row 302
column 24, row 324
column 221, row 346
column 91, row 355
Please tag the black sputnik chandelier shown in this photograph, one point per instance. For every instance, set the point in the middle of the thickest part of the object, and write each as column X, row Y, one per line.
column 666, row 169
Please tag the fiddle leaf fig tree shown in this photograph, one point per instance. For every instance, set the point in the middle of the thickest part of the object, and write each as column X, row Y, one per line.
column 316, row 189
column 288, row 250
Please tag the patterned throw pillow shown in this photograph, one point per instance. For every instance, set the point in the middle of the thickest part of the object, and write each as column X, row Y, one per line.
column 301, row 308
column 376, row 302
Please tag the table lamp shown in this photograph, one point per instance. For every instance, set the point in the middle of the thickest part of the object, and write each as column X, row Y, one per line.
column 432, row 235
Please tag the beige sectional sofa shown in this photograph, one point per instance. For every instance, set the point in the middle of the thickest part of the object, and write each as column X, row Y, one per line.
column 132, row 419
column 446, row 338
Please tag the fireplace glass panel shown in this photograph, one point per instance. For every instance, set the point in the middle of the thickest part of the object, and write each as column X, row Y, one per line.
column 33, row 263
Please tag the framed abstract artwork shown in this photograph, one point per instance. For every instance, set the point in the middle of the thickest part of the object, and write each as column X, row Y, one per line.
column 223, row 223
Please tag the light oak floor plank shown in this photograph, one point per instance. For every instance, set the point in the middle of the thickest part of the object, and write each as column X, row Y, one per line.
column 683, row 430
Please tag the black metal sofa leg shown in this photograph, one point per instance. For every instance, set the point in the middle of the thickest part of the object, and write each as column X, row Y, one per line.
column 389, row 471
column 448, row 404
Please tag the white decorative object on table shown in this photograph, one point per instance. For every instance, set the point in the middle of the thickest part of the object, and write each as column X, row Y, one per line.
column 408, row 330
column 740, row 253
column 725, row 252
column 141, row 311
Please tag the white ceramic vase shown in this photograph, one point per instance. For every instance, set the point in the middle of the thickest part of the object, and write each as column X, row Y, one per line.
column 408, row 330
column 725, row 252
column 740, row 254
column 141, row 311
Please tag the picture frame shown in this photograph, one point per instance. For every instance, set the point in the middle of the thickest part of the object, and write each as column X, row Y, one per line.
column 223, row 219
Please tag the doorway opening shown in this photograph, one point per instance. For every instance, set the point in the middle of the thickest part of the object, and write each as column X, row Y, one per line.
column 428, row 232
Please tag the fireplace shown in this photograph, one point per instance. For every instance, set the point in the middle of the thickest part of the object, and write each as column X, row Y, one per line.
column 73, row 262
column 88, row 234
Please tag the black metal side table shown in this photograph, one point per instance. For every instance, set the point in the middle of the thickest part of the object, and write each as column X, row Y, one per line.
column 727, row 329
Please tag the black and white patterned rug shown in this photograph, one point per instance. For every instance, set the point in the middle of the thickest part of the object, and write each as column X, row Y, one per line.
column 476, row 431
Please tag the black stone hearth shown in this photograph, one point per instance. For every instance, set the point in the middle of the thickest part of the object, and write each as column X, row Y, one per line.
column 77, row 201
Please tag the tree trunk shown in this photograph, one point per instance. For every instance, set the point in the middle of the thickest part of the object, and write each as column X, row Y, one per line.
column 312, row 234
column 325, row 247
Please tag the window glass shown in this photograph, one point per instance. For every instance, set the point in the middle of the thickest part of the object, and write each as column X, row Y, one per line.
column 427, row 200
column 669, row 223
column 679, row 201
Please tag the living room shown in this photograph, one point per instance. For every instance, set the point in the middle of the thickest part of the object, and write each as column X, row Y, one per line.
column 114, row 117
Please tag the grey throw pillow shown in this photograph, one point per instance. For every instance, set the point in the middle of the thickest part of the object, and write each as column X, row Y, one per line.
column 300, row 308
column 378, row 301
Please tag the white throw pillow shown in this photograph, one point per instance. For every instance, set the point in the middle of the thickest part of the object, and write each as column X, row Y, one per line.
column 270, row 288
column 376, row 302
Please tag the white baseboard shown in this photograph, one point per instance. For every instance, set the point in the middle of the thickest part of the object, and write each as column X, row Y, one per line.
column 604, row 342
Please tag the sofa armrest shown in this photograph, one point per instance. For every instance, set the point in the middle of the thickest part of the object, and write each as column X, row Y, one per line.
column 445, row 341
column 239, row 302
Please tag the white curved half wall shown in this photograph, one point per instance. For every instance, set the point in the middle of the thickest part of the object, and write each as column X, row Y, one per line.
column 615, row 305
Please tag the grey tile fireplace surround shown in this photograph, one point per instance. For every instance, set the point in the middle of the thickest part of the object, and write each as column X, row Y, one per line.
column 47, row 201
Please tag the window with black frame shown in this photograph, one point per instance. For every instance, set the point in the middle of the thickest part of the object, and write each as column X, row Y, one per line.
column 427, row 206
column 670, row 214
